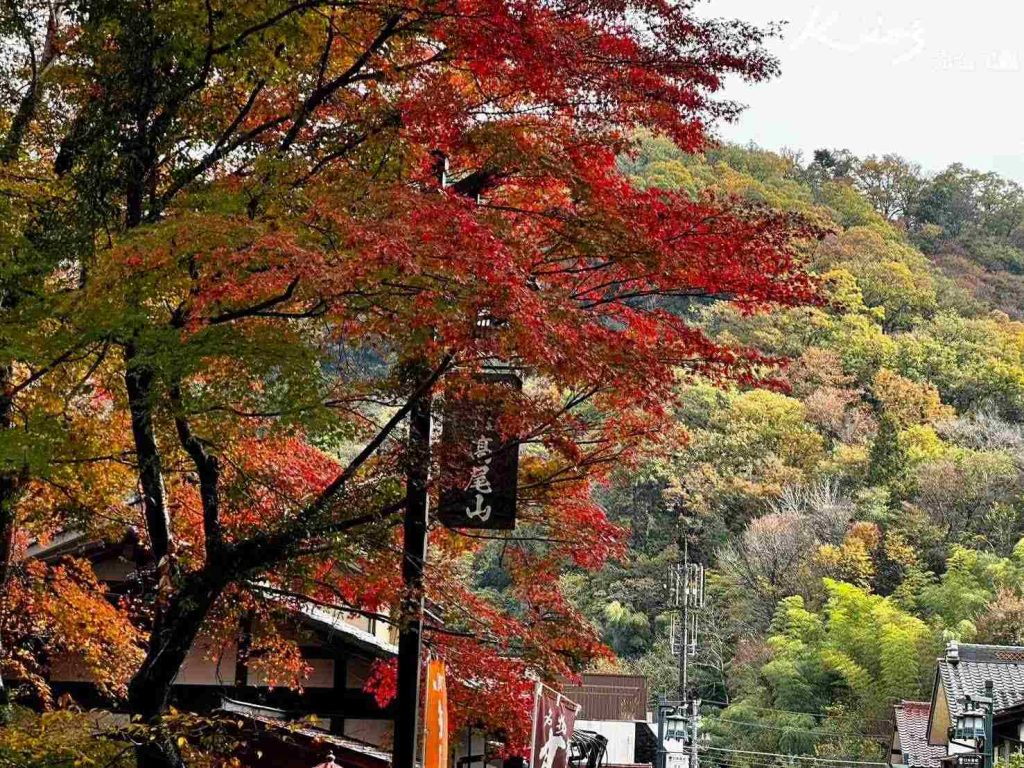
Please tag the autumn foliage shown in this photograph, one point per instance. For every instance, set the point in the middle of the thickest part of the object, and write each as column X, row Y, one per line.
column 232, row 249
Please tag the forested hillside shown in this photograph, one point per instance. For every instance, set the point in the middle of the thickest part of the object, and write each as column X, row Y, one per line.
column 870, row 507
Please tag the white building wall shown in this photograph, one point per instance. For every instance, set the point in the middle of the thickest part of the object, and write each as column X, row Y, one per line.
column 208, row 663
column 621, row 735
column 960, row 746
column 379, row 733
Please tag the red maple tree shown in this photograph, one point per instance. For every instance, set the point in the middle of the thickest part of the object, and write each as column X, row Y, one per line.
column 255, row 268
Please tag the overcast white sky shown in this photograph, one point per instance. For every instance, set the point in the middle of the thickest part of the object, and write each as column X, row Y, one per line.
column 933, row 80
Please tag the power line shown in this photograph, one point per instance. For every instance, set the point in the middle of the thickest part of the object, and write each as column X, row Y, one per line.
column 817, row 732
column 748, row 762
column 717, row 760
column 757, row 758
column 741, row 703
column 788, row 711
column 738, row 756
column 756, row 762
column 843, row 760
column 740, row 760
column 812, row 758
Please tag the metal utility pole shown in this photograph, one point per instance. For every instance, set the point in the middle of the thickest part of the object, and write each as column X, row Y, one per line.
column 684, row 650
column 662, row 755
column 413, row 561
column 688, row 599
column 687, row 581
column 694, row 725
column 989, row 748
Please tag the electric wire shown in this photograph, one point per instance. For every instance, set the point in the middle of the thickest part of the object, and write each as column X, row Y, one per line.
column 785, row 711
column 755, row 762
column 787, row 729
column 747, row 762
column 757, row 759
column 741, row 761
column 812, row 758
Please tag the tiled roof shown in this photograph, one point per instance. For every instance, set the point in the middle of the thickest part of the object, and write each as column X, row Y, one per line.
column 912, row 725
column 333, row 621
column 275, row 719
column 965, row 668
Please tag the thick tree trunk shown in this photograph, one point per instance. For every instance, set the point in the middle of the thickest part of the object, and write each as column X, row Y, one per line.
column 138, row 379
column 174, row 635
column 8, row 496
column 177, row 621
column 30, row 100
column 10, row 484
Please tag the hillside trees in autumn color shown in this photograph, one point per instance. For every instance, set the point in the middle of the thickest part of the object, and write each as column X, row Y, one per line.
column 229, row 268
column 870, row 511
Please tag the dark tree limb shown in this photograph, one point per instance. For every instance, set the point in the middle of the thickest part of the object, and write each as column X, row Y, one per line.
column 225, row 145
column 30, row 100
column 11, row 481
column 195, row 593
column 208, row 468
column 173, row 637
column 271, row 21
column 338, row 484
column 257, row 309
column 139, row 383
column 12, row 478
column 324, row 91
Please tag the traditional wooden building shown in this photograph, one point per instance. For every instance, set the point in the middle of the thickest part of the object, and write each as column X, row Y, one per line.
column 331, row 714
column 909, row 744
column 936, row 733
column 338, row 647
column 613, row 707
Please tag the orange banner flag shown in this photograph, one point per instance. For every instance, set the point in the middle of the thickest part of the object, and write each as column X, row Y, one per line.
column 436, row 716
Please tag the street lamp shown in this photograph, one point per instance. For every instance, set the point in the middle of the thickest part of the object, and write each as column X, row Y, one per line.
column 676, row 725
column 970, row 724
column 973, row 728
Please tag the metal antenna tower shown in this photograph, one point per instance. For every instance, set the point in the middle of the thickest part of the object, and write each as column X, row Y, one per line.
column 687, row 600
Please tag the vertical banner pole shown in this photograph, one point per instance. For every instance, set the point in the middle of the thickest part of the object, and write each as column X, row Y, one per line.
column 410, row 639
column 435, row 717
column 554, row 720
column 533, row 729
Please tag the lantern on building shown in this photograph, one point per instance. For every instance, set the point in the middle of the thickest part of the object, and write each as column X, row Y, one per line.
column 677, row 725
column 970, row 724
column 972, row 729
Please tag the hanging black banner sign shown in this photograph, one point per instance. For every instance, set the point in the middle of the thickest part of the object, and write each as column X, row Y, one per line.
column 479, row 471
